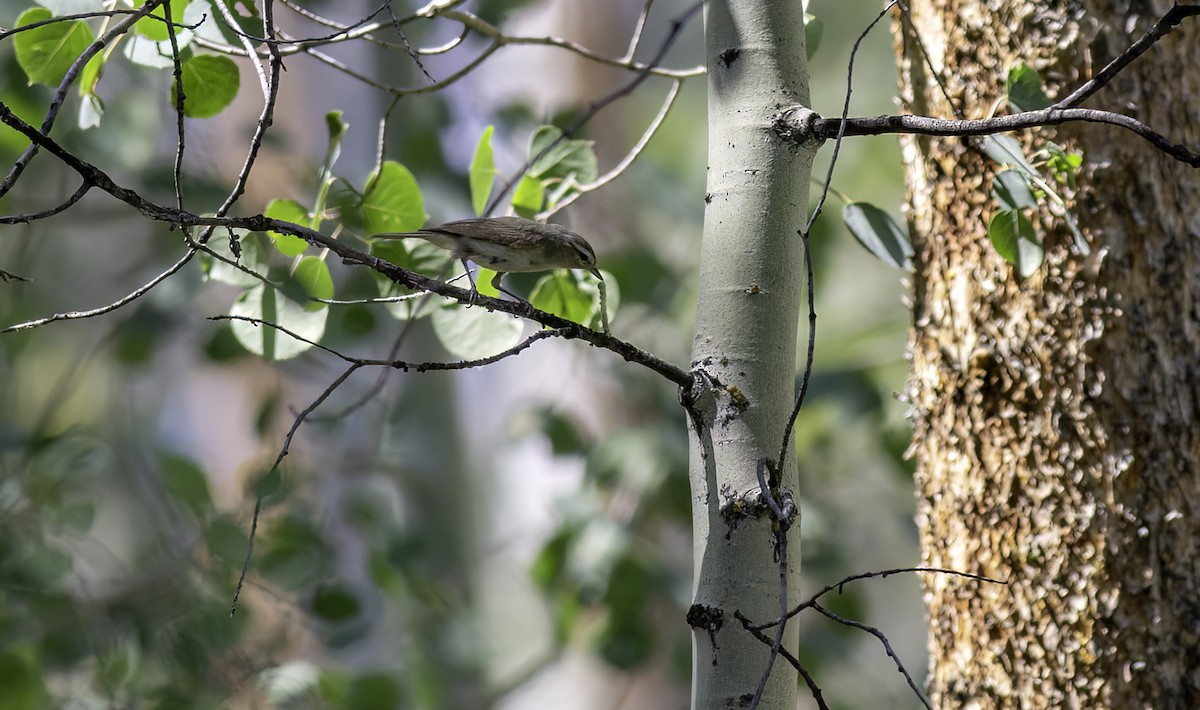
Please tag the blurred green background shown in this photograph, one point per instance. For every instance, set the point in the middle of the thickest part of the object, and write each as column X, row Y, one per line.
column 516, row 536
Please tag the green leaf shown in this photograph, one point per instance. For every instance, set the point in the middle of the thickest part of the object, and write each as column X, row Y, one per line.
column 419, row 256
column 313, row 274
column 1006, row 151
column 118, row 665
column 373, row 691
column 210, row 83
column 90, row 75
column 288, row 211
column 226, row 541
column 474, row 333
column 186, row 483
column 813, row 29
column 253, row 258
column 337, row 127
column 1024, row 88
column 550, row 565
column 561, row 160
column 879, row 234
column 347, row 203
column 21, row 678
column 295, row 554
column 270, row 305
column 1012, row 190
column 559, row 293
column 334, row 603
column 1063, row 165
column 1016, row 240
column 246, row 15
column 393, row 201
column 156, row 29
column 47, row 52
column 483, row 172
column 528, row 197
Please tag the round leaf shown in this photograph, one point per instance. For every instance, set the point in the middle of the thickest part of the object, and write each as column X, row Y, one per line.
column 474, row 333
column 393, row 201
column 564, row 294
column 1024, row 87
column 251, row 258
column 210, row 83
column 313, row 274
column 154, row 28
column 562, row 158
column 270, row 305
column 186, row 483
column 46, row 53
column 529, row 196
column 288, row 211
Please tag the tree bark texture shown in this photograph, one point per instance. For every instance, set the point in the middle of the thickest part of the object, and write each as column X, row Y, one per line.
column 1056, row 434
column 751, row 278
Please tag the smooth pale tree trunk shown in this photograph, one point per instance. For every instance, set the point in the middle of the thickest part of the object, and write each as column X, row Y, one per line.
column 751, row 278
column 1056, row 434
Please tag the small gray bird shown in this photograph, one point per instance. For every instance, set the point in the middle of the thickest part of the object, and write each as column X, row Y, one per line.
column 508, row 244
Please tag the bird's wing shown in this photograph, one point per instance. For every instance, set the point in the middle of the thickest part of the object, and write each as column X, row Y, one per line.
column 508, row 230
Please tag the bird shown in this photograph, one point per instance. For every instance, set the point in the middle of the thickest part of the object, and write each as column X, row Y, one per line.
column 507, row 245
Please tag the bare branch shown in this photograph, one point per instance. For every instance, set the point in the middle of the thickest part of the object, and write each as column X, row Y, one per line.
column 124, row 301
column 350, row 255
column 797, row 125
column 595, row 107
column 60, row 94
column 813, row 688
column 886, row 646
column 881, row 574
column 1162, row 28
column 631, row 156
column 31, row 216
column 287, row 443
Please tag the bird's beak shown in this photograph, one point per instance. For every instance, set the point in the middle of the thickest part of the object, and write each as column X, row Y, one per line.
column 596, row 273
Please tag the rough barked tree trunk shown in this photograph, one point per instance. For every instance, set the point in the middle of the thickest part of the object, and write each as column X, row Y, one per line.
column 751, row 274
column 1056, row 433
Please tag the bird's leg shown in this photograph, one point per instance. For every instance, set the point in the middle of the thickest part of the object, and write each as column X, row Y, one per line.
column 496, row 285
column 471, row 278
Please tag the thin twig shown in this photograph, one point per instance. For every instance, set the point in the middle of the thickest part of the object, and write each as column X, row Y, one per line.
column 837, row 144
column 883, row 574
column 32, row 216
column 924, row 125
column 813, row 688
column 594, row 108
column 810, row 353
column 781, row 526
column 119, row 303
column 287, row 443
column 636, row 38
column 1163, row 27
column 177, row 69
column 631, row 156
column 60, row 93
column 886, row 646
